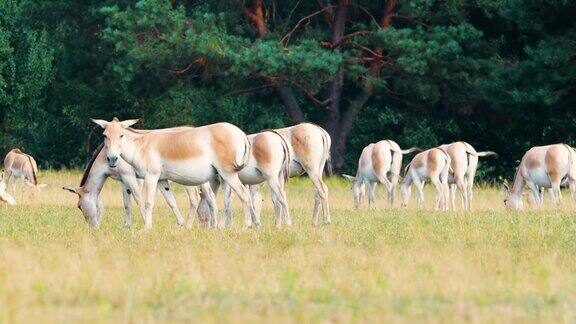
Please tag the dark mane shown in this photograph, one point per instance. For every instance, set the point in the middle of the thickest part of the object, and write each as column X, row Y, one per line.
column 146, row 131
column 89, row 166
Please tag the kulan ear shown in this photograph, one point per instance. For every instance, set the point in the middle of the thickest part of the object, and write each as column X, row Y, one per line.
column 349, row 177
column 128, row 123
column 72, row 190
column 100, row 122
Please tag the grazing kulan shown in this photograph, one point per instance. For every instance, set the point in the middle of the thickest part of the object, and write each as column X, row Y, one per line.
column 189, row 156
column 4, row 195
column 19, row 165
column 464, row 162
column 433, row 164
column 543, row 167
column 98, row 171
column 379, row 162
column 309, row 146
column 269, row 162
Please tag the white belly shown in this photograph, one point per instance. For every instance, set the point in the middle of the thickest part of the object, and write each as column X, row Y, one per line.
column 17, row 173
column 250, row 176
column 540, row 177
column 369, row 175
column 295, row 169
column 422, row 173
column 188, row 172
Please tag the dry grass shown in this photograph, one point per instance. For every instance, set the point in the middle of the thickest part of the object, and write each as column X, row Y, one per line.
column 371, row 265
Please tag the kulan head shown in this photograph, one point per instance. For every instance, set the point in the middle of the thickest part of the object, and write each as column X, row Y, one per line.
column 114, row 137
column 358, row 190
column 405, row 191
column 4, row 195
column 89, row 205
column 512, row 201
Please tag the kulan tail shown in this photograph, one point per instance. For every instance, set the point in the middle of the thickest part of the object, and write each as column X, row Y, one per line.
column 34, row 168
column 411, row 150
column 487, row 153
column 327, row 144
column 245, row 157
column 287, row 158
column 406, row 168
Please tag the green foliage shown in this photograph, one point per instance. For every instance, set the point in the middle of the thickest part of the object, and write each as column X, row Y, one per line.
column 25, row 70
column 480, row 71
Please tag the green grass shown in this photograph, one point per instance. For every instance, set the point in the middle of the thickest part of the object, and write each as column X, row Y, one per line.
column 489, row 265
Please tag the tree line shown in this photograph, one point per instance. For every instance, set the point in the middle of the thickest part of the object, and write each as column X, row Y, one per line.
column 498, row 74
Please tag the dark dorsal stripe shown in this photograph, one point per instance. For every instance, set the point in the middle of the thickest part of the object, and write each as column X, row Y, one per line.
column 33, row 169
column 89, row 166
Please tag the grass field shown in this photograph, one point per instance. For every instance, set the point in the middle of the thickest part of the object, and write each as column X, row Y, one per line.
column 489, row 265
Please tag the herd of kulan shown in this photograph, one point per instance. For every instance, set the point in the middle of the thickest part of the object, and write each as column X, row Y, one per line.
column 203, row 159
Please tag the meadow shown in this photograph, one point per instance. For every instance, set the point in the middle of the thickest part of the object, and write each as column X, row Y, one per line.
column 394, row 265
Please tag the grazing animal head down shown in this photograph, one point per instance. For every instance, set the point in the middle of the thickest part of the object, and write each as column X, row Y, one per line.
column 405, row 191
column 5, row 196
column 511, row 201
column 358, row 190
column 114, row 137
column 89, row 205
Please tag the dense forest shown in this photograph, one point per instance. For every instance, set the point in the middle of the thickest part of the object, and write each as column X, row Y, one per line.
column 498, row 74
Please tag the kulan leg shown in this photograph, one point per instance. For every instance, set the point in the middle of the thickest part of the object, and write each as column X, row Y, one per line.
column 166, row 190
column 439, row 191
column 419, row 184
column 392, row 192
column 194, row 199
column 126, row 198
column 453, row 195
column 320, row 197
column 244, row 195
column 227, row 192
column 371, row 193
column 150, row 186
column 536, row 193
column 256, row 199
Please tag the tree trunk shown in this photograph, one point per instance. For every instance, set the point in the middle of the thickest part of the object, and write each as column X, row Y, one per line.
column 290, row 103
column 333, row 115
column 338, row 123
column 255, row 13
column 5, row 147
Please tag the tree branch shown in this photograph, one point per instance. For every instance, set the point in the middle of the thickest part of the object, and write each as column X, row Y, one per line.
column 199, row 60
column 316, row 101
column 256, row 15
column 284, row 41
column 247, row 90
column 345, row 39
column 184, row 70
column 363, row 9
